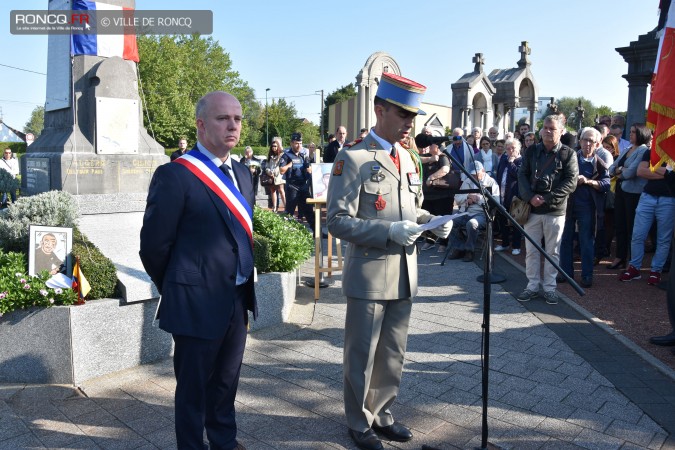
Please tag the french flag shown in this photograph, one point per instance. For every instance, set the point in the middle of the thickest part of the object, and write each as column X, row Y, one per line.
column 106, row 45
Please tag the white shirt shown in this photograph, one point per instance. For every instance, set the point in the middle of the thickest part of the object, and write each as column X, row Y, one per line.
column 215, row 160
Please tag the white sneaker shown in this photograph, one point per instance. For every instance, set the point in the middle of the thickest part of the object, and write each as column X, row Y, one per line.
column 500, row 248
column 515, row 251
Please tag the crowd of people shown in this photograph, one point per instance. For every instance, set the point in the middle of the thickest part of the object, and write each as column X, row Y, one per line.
column 389, row 197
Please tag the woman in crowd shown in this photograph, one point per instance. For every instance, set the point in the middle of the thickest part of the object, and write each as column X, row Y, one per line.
column 610, row 144
column 585, row 207
column 657, row 204
column 530, row 139
column 507, row 177
column 471, row 141
column 437, row 200
column 311, row 151
column 272, row 168
column 628, row 189
column 489, row 158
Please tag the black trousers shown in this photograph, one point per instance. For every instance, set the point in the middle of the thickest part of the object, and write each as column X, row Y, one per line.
column 625, row 204
column 207, row 376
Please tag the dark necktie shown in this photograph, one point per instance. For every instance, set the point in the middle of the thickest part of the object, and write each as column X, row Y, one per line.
column 394, row 157
column 243, row 243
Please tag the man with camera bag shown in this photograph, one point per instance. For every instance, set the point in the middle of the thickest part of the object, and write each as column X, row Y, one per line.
column 546, row 178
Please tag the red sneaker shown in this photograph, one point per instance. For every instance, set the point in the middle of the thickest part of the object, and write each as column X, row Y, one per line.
column 630, row 274
column 654, row 278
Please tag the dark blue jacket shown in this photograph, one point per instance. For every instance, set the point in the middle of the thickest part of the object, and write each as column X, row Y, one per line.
column 190, row 253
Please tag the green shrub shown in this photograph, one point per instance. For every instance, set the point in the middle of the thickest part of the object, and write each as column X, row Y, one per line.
column 17, row 147
column 262, row 257
column 57, row 209
column 97, row 269
column 290, row 243
column 20, row 291
column 53, row 208
column 7, row 182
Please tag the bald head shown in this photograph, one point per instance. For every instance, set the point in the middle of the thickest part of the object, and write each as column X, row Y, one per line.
column 218, row 116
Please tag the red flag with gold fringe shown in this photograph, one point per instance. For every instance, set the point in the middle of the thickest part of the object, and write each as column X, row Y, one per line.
column 661, row 112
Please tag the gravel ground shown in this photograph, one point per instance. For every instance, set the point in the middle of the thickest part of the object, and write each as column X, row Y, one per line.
column 635, row 309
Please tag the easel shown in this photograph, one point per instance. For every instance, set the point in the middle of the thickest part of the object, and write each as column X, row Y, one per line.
column 318, row 270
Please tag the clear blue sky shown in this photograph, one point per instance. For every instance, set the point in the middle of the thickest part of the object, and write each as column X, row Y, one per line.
column 297, row 47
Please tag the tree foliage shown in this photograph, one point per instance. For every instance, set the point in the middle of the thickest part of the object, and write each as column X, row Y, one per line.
column 338, row 95
column 175, row 71
column 568, row 106
column 36, row 122
column 283, row 122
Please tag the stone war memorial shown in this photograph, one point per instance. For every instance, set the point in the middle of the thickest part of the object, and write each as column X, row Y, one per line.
column 94, row 144
column 95, row 147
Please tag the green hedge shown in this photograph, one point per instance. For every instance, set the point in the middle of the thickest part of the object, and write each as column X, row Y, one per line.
column 290, row 243
column 96, row 267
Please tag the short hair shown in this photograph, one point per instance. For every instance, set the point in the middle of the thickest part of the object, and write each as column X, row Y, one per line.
column 247, row 148
column 531, row 133
column 331, row 136
column 476, row 129
column 597, row 136
column 600, row 126
column 486, row 139
column 500, row 141
column 513, row 141
column 182, row 138
column 364, row 130
column 458, row 130
column 337, row 130
column 616, row 126
column 642, row 134
column 558, row 119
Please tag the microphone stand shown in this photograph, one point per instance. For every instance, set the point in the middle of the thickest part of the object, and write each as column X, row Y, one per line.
column 487, row 269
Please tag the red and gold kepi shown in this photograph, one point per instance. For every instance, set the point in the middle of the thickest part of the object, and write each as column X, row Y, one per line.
column 401, row 92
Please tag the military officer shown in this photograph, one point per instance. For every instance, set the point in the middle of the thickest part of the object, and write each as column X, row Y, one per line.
column 374, row 199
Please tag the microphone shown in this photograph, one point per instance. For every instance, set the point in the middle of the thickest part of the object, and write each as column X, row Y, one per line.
column 424, row 140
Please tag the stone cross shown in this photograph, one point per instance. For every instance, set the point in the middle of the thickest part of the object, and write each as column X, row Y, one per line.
column 581, row 113
column 553, row 106
column 479, row 61
column 524, row 50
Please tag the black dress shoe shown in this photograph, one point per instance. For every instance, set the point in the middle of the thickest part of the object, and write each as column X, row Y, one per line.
column 620, row 264
column 394, row 432
column 456, row 254
column 367, row 440
column 667, row 340
column 586, row 282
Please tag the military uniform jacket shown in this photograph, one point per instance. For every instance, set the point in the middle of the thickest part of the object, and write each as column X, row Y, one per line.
column 366, row 194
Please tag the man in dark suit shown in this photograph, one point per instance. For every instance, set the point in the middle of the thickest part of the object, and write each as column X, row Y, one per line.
column 196, row 246
column 334, row 147
column 182, row 148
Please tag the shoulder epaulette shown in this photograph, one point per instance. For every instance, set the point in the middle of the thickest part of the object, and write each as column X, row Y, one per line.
column 353, row 143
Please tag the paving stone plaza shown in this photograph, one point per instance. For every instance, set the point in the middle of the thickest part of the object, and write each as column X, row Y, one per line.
column 557, row 381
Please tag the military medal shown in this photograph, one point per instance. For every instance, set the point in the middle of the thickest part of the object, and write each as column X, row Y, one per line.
column 376, row 174
column 380, row 203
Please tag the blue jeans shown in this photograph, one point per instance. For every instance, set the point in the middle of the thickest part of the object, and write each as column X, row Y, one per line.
column 472, row 224
column 649, row 208
column 583, row 217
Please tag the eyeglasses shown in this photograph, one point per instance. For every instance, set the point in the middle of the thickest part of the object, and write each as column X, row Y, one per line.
column 588, row 141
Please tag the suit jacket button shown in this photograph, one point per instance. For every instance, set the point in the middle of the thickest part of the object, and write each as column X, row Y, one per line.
column 365, row 254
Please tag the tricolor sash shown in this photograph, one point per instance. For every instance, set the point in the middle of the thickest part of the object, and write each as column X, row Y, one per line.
column 209, row 174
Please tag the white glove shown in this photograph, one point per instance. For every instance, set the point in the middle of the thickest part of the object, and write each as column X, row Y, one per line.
column 404, row 232
column 444, row 230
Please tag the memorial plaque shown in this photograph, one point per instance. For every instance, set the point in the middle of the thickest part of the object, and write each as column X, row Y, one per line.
column 37, row 174
column 117, row 124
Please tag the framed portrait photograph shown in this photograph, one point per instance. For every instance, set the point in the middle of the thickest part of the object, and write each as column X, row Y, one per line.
column 320, row 178
column 49, row 249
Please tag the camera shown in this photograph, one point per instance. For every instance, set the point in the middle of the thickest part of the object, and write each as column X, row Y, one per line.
column 543, row 183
